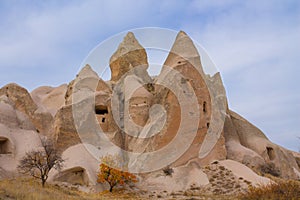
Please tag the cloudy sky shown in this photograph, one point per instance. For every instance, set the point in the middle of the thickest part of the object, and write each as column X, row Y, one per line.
column 254, row 44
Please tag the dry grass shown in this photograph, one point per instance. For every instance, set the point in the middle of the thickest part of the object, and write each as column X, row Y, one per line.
column 31, row 189
column 282, row 190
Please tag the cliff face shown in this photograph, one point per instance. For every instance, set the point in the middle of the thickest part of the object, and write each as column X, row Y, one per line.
column 182, row 115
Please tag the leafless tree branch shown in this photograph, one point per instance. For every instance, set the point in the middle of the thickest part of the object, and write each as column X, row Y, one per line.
column 38, row 163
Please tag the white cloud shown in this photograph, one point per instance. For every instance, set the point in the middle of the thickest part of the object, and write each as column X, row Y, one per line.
column 55, row 39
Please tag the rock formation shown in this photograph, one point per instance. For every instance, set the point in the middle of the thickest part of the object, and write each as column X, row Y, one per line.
column 18, row 134
column 142, row 114
column 128, row 56
column 22, row 101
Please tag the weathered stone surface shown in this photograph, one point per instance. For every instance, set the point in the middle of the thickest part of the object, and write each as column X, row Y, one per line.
column 184, row 58
column 180, row 179
column 13, row 118
column 22, row 101
column 86, row 80
column 130, row 56
column 80, row 167
column 142, row 115
column 17, row 136
column 247, row 144
column 50, row 99
column 235, row 150
column 14, row 143
column 63, row 129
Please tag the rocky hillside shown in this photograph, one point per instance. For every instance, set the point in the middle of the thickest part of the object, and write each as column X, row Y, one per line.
column 179, row 120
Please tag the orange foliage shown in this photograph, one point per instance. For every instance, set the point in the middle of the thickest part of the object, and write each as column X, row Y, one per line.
column 112, row 174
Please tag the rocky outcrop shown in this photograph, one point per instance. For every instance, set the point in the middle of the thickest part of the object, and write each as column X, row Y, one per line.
column 13, row 118
column 86, row 80
column 133, row 93
column 80, row 167
column 185, row 59
column 18, row 135
column 249, row 145
column 20, row 122
column 63, row 129
column 86, row 86
column 178, row 179
column 182, row 115
column 22, row 101
column 50, row 99
column 130, row 57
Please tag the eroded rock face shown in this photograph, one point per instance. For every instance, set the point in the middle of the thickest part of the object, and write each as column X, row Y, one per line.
column 85, row 81
column 63, row 129
column 247, row 144
column 181, row 98
column 86, row 85
column 130, row 56
column 79, row 167
column 178, row 179
column 22, row 101
column 50, row 99
column 141, row 120
column 184, row 58
column 18, row 135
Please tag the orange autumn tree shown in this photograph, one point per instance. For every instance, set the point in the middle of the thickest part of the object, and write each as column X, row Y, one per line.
column 110, row 172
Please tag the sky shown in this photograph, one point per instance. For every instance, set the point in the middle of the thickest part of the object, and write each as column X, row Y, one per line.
column 254, row 44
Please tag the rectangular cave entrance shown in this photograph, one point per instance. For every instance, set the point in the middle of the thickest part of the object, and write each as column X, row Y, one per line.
column 5, row 146
column 102, row 112
column 75, row 176
column 271, row 153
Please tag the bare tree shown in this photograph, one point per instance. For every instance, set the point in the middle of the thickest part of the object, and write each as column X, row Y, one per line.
column 38, row 163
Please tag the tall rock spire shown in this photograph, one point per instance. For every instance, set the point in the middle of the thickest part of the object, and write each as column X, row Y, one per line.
column 130, row 54
column 182, row 51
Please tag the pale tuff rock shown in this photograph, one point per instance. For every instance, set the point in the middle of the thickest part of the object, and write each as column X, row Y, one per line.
column 243, row 172
column 130, row 57
column 86, row 81
column 185, row 58
column 224, row 145
column 80, row 167
column 22, row 101
column 179, row 179
column 63, row 129
column 252, row 138
column 14, row 143
column 50, row 99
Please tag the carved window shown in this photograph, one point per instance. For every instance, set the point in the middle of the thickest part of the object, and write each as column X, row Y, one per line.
column 204, row 106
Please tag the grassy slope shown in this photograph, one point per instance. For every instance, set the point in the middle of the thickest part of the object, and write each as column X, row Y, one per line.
column 31, row 189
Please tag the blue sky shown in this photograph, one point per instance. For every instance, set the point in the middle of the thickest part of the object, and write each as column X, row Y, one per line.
column 254, row 44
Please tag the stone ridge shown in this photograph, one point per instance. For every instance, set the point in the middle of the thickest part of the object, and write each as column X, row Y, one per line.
column 129, row 54
column 238, row 155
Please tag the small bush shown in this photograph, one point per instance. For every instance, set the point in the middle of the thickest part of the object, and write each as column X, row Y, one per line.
column 269, row 168
column 280, row 191
column 168, row 171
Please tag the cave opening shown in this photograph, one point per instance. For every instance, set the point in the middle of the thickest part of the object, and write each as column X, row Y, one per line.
column 101, row 110
column 204, row 106
column 75, row 176
column 5, row 146
column 271, row 153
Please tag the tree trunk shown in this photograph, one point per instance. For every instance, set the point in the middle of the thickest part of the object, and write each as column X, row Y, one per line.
column 111, row 188
column 43, row 182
